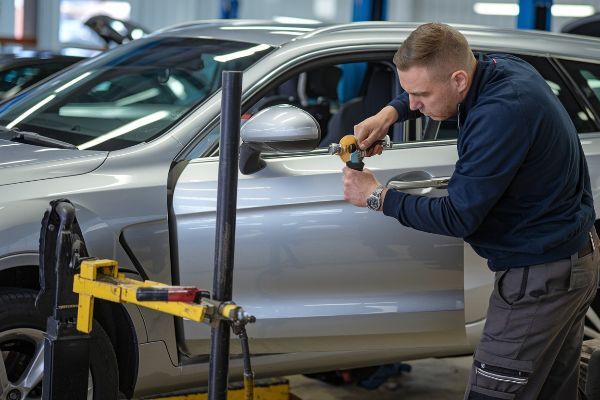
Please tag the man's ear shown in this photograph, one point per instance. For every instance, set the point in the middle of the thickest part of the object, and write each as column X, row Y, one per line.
column 460, row 79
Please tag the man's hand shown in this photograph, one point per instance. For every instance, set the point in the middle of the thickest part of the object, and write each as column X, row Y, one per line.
column 358, row 185
column 375, row 128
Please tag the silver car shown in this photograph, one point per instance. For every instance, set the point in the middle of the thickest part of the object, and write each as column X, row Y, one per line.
column 131, row 138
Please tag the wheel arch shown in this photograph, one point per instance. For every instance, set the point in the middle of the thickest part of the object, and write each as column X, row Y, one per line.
column 113, row 317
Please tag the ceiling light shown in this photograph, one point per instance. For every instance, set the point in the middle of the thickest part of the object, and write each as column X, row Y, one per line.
column 572, row 10
column 294, row 20
column 511, row 9
column 496, row 9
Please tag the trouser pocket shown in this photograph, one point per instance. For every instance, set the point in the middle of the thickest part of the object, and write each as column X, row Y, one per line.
column 495, row 377
column 477, row 393
column 501, row 376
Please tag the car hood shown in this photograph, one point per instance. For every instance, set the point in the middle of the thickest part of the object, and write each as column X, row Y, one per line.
column 23, row 162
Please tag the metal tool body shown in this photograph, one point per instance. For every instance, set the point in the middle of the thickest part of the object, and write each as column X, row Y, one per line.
column 350, row 152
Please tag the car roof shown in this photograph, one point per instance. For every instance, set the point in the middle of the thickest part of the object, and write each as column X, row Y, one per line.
column 268, row 32
column 277, row 34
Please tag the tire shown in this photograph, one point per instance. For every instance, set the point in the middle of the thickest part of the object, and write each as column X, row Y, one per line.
column 22, row 336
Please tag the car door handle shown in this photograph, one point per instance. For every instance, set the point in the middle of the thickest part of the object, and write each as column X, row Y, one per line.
column 437, row 182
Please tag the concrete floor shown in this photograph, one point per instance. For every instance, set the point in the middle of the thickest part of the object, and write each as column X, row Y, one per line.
column 440, row 379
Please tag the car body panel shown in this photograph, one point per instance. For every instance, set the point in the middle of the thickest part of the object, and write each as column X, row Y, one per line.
column 23, row 162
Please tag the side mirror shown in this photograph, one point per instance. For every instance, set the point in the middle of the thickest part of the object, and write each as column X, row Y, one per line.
column 279, row 128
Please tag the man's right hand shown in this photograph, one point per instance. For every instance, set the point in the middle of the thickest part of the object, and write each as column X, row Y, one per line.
column 375, row 128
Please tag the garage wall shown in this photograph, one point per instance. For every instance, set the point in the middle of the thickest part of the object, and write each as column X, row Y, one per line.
column 155, row 14
column 461, row 12
column 7, row 18
column 339, row 11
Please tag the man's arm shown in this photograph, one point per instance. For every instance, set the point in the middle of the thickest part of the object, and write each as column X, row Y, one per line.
column 491, row 155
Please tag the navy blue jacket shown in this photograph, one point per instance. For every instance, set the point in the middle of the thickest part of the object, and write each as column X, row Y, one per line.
column 520, row 193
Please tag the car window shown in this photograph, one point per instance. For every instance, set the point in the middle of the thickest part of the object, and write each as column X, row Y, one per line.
column 338, row 96
column 587, row 77
column 580, row 117
column 17, row 78
column 131, row 94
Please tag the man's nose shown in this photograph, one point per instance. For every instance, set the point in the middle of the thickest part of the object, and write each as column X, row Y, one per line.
column 413, row 103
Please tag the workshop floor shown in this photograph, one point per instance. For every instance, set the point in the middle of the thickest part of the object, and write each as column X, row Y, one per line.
column 440, row 379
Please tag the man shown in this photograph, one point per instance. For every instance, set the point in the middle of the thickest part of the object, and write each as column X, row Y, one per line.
column 520, row 195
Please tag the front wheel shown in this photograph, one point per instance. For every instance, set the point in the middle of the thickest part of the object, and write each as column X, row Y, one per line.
column 22, row 346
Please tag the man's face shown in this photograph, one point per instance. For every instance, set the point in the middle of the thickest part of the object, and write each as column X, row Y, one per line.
column 435, row 97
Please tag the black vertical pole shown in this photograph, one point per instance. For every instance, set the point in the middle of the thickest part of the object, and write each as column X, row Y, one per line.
column 225, row 234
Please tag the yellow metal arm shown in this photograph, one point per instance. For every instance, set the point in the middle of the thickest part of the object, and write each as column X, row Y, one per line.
column 101, row 279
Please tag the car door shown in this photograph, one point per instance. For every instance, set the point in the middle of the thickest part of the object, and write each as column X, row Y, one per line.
column 318, row 273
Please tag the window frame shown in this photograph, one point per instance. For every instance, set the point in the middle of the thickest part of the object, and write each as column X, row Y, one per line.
column 556, row 60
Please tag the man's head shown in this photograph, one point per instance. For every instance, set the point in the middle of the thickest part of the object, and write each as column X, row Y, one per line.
column 435, row 65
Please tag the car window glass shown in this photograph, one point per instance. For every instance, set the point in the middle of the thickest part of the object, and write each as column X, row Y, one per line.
column 581, row 119
column 15, row 79
column 338, row 96
column 587, row 77
column 131, row 94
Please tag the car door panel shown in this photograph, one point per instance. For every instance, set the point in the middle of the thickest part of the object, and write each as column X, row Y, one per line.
column 319, row 273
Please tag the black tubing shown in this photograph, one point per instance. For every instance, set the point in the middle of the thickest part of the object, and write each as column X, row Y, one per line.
column 225, row 232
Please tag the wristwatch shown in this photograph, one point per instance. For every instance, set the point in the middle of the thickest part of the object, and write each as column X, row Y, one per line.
column 374, row 200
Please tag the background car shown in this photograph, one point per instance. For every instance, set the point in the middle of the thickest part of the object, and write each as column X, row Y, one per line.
column 22, row 69
column 134, row 145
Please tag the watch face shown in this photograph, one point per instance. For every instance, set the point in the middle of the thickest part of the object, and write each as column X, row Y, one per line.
column 373, row 202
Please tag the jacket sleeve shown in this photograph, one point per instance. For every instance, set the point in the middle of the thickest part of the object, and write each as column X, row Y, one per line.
column 493, row 144
column 401, row 104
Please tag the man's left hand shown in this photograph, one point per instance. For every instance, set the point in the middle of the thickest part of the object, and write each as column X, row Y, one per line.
column 358, row 186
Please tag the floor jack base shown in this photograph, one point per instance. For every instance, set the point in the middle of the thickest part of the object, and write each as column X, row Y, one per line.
column 264, row 389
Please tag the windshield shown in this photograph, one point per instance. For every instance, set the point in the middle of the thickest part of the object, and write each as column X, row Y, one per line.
column 129, row 95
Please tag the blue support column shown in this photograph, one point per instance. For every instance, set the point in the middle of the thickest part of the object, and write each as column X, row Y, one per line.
column 369, row 10
column 229, row 9
column 363, row 10
column 535, row 14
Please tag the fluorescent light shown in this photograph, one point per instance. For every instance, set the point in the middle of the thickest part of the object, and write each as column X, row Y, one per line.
column 294, row 20
column 137, row 33
column 511, row 9
column 325, row 9
column 240, row 54
column 572, row 10
column 72, row 82
column 31, row 111
column 265, row 28
column 133, row 125
column 496, row 9
column 136, row 98
column 287, row 33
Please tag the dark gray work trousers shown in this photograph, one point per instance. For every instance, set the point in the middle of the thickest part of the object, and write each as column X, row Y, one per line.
column 532, row 338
